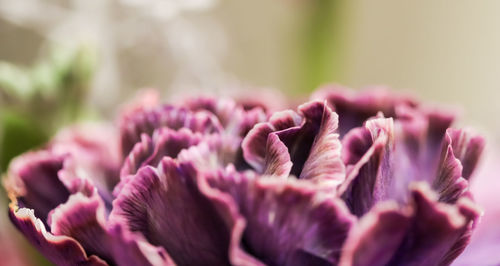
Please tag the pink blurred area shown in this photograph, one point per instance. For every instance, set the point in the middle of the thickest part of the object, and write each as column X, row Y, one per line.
column 485, row 242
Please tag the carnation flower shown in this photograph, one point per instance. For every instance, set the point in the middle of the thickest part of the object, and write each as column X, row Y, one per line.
column 368, row 178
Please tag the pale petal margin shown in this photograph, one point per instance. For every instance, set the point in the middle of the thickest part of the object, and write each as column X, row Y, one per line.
column 32, row 182
column 60, row 250
column 83, row 219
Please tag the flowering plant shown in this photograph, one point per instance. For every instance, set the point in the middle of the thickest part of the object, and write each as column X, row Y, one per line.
column 347, row 179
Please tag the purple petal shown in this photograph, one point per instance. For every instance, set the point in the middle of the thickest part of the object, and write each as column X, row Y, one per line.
column 83, row 219
column 277, row 160
column 130, row 249
column 237, row 119
column 449, row 182
column 324, row 164
column 164, row 142
column 133, row 125
column 267, row 100
column 472, row 213
column 167, row 207
column 421, row 155
column 369, row 180
column 244, row 121
column 60, row 250
column 421, row 133
column 377, row 236
column 92, row 159
column 424, row 233
column 310, row 140
column 254, row 144
column 355, row 144
column 288, row 223
column 285, row 119
column 300, row 141
column 354, row 108
column 99, row 141
column 222, row 108
column 439, row 120
column 439, row 232
column 140, row 153
column 213, row 152
column 228, row 210
column 467, row 147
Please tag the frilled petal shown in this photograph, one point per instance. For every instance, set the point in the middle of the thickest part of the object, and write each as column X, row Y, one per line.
column 134, row 125
column 277, row 160
column 214, row 152
column 131, row 249
column 376, row 237
column 91, row 158
column 439, row 231
column 449, row 182
column 324, row 163
column 164, row 142
column 33, row 182
column 425, row 232
column 420, row 133
column 97, row 142
column 468, row 148
column 244, row 121
column 141, row 152
column 288, row 223
column 354, row 108
column 167, row 207
column 236, row 118
column 83, row 219
column 60, row 250
column 472, row 213
column 254, row 145
column 299, row 140
column 268, row 100
column 369, row 179
column 310, row 140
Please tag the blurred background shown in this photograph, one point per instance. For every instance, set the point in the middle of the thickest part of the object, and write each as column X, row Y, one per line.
column 67, row 60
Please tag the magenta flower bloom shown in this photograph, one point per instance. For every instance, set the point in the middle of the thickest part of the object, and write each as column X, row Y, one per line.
column 345, row 179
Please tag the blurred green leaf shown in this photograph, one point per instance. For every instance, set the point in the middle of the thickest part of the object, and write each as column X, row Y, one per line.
column 36, row 101
column 19, row 134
